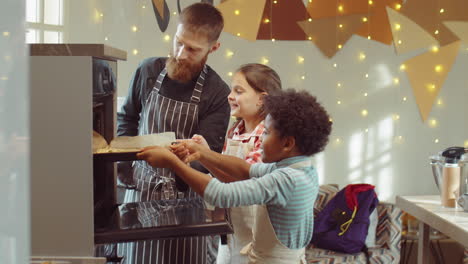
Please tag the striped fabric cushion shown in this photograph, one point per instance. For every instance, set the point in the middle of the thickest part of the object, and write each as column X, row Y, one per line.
column 325, row 194
column 323, row 256
column 389, row 227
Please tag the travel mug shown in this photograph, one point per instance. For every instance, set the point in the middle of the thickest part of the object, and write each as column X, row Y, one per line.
column 450, row 184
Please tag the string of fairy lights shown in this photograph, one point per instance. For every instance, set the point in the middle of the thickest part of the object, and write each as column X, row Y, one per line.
column 362, row 57
column 438, row 69
column 135, row 29
column 339, row 84
column 398, row 138
column 6, row 57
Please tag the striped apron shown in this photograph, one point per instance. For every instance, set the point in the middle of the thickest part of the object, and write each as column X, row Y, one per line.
column 162, row 114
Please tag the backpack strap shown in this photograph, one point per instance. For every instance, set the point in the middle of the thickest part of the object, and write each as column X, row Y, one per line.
column 344, row 227
column 366, row 252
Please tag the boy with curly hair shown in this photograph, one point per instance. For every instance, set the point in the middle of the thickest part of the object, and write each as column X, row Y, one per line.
column 284, row 187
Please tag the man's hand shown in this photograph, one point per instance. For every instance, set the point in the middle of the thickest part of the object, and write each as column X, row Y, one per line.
column 156, row 156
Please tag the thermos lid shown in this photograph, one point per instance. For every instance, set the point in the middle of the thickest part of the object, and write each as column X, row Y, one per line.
column 453, row 154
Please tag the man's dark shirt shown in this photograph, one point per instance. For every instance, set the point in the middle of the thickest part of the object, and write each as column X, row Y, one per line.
column 214, row 110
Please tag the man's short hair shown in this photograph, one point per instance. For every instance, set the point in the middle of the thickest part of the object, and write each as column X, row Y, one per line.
column 203, row 18
column 298, row 114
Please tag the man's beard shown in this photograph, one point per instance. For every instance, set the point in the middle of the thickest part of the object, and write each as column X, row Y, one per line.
column 184, row 71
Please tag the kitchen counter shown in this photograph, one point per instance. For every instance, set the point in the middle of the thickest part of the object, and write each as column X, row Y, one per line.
column 452, row 222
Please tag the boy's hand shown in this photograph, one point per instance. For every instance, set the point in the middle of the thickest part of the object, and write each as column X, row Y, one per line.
column 188, row 150
column 156, row 156
column 199, row 139
column 179, row 149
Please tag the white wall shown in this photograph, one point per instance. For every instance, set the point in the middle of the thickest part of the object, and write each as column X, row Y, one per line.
column 14, row 135
column 397, row 166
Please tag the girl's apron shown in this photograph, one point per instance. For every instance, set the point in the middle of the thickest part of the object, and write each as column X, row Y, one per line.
column 241, row 217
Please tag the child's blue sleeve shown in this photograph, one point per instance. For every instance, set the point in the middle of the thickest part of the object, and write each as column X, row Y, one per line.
column 275, row 188
column 258, row 170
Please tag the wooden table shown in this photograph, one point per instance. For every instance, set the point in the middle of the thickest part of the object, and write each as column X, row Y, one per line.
column 453, row 222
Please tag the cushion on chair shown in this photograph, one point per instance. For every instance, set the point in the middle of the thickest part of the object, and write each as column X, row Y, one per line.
column 372, row 229
column 325, row 194
column 389, row 227
column 324, row 256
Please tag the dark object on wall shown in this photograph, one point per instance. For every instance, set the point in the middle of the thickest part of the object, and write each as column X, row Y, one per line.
column 203, row 1
column 163, row 22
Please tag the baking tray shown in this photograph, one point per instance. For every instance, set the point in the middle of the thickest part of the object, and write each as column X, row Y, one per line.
column 116, row 156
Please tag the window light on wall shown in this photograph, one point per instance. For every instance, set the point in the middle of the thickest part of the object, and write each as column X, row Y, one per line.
column 44, row 21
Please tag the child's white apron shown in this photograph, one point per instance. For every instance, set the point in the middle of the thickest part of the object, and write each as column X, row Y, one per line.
column 241, row 217
column 266, row 247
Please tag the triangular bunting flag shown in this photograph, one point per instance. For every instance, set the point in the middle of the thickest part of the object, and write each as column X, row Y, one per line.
column 460, row 28
column 407, row 35
column 429, row 14
column 373, row 12
column 242, row 18
column 377, row 26
column 325, row 34
column 325, row 8
column 427, row 73
column 280, row 19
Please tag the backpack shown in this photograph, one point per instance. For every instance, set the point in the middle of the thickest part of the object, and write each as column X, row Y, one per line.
column 343, row 224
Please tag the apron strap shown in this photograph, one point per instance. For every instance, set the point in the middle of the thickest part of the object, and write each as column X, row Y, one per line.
column 246, row 249
column 197, row 91
column 160, row 79
column 304, row 163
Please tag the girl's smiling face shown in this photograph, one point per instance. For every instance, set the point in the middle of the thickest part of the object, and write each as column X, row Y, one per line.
column 244, row 100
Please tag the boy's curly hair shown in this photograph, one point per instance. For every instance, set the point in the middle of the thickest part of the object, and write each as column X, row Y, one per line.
column 298, row 114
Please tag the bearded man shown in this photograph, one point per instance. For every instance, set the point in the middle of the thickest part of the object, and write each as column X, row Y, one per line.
column 184, row 95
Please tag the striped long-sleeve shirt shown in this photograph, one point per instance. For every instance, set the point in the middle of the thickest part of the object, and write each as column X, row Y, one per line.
column 289, row 194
